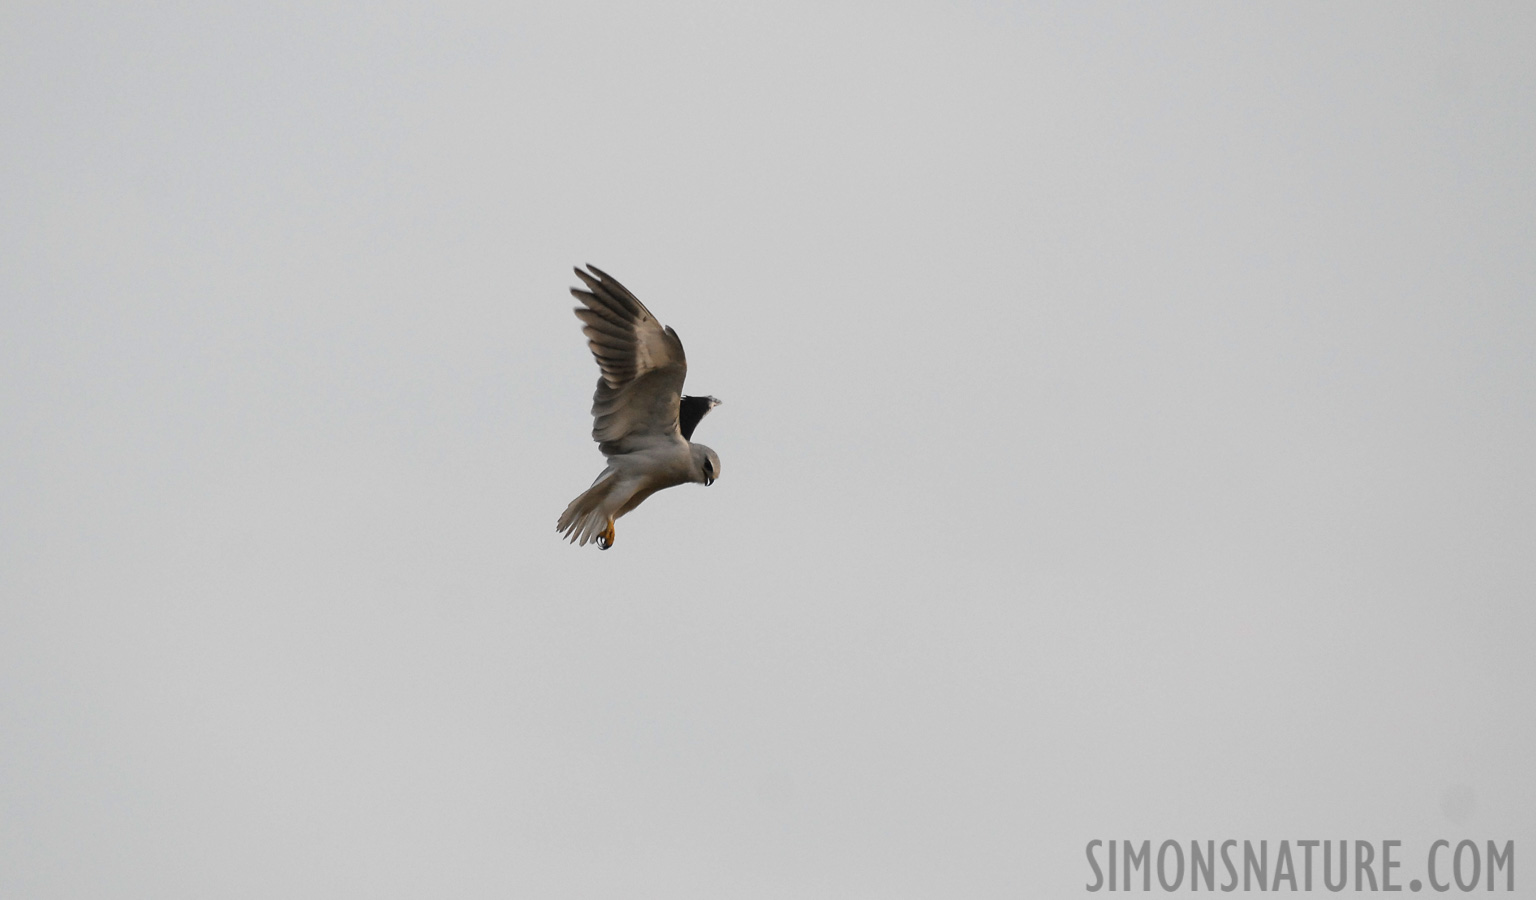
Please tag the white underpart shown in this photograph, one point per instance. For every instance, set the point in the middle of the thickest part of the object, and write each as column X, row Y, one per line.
column 662, row 463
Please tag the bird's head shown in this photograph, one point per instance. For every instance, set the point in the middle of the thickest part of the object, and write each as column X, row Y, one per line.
column 706, row 464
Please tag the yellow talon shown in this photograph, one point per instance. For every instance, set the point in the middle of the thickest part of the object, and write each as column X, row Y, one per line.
column 605, row 537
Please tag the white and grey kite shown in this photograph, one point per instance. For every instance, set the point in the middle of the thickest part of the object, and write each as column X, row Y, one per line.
column 640, row 419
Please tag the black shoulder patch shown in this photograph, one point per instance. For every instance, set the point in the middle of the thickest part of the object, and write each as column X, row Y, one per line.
column 690, row 411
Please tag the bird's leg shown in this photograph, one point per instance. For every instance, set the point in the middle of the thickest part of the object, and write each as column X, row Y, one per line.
column 605, row 537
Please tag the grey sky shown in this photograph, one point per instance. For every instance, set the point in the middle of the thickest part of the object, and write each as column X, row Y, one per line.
column 1128, row 434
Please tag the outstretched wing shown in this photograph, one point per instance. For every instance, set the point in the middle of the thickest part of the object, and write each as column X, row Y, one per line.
column 642, row 364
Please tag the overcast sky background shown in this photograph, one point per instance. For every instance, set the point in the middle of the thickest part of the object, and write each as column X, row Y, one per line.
column 1128, row 433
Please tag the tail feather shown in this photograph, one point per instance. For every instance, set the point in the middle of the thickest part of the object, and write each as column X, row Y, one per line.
column 588, row 514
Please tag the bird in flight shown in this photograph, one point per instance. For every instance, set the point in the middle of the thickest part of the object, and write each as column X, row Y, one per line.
column 641, row 421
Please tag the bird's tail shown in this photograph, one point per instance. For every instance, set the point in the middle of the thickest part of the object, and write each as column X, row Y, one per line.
column 588, row 514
